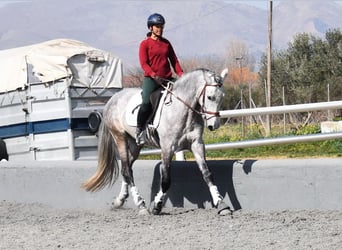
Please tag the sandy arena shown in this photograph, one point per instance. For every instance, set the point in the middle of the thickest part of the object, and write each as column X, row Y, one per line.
column 287, row 204
column 36, row 226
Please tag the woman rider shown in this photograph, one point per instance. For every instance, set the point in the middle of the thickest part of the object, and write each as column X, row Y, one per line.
column 156, row 56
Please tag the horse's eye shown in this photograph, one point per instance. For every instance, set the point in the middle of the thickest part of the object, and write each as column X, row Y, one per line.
column 218, row 79
column 211, row 98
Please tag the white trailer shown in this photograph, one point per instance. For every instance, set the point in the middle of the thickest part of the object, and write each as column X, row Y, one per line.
column 47, row 93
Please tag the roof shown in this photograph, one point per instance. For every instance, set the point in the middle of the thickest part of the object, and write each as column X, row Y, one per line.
column 56, row 59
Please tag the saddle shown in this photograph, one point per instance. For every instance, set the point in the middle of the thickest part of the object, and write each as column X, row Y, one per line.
column 157, row 98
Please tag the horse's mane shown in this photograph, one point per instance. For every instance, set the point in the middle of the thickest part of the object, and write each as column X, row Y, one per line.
column 190, row 74
column 204, row 69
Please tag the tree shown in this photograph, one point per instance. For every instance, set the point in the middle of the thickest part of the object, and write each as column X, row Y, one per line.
column 133, row 78
column 238, row 56
column 305, row 68
column 210, row 62
column 242, row 76
column 334, row 62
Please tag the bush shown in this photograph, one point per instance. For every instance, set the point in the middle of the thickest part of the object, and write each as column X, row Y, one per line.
column 308, row 130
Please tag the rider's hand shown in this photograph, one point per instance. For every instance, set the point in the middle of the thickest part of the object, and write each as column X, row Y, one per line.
column 158, row 79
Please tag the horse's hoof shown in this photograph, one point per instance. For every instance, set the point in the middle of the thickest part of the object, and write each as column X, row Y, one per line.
column 117, row 203
column 144, row 211
column 223, row 209
column 156, row 208
column 155, row 211
column 225, row 212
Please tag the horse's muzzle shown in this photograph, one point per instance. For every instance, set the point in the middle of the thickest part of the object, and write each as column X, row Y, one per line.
column 211, row 128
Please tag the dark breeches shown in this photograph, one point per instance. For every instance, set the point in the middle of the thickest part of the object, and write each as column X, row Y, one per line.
column 148, row 87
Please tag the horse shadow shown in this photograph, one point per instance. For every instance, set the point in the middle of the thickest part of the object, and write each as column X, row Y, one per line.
column 187, row 182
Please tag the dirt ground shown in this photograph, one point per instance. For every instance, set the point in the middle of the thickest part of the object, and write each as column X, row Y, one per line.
column 36, row 226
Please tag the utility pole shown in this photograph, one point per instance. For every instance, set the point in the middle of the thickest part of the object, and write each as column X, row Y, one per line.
column 269, row 58
column 239, row 59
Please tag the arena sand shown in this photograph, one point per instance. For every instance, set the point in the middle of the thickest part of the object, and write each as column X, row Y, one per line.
column 37, row 226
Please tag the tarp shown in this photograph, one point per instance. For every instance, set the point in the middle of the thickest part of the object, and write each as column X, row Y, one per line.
column 56, row 59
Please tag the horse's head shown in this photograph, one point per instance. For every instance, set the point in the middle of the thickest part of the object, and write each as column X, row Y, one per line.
column 211, row 97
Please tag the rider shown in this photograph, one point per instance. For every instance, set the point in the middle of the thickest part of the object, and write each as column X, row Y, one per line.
column 156, row 54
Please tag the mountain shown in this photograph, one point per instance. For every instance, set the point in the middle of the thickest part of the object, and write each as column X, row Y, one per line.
column 195, row 28
column 314, row 16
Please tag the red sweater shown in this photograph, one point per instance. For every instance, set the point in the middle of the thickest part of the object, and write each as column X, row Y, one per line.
column 156, row 56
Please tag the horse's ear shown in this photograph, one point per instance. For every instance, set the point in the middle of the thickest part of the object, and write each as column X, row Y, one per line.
column 220, row 79
column 224, row 74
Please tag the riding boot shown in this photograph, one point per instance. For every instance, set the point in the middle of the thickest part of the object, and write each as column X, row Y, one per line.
column 141, row 121
column 139, row 136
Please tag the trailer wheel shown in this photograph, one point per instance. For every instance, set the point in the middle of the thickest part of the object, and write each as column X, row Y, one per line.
column 94, row 121
column 3, row 151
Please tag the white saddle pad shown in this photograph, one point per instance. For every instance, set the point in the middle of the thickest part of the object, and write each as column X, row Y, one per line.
column 133, row 107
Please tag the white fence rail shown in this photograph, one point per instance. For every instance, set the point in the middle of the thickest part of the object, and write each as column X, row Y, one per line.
column 271, row 141
column 282, row 109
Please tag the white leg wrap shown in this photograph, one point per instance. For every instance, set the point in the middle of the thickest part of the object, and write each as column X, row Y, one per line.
column 124, row 191
column 136, row 196
column 159, row 197
column 121, row 198
column 215, row 195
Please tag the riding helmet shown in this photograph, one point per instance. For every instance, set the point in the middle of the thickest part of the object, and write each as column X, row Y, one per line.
column 155, row 19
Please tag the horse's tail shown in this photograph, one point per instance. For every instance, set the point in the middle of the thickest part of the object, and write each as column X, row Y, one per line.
column 108, row 167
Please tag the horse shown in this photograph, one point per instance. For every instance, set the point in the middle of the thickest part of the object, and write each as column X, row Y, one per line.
column 194, row 101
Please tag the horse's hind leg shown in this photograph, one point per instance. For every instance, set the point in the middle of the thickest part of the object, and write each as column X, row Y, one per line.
column 128, row 153
column 123, row 195
column 165, row 183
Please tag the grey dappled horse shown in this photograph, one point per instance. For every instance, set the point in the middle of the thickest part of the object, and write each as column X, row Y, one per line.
column 194, row 101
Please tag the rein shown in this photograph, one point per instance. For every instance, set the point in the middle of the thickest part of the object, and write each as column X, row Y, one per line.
column 202, row 111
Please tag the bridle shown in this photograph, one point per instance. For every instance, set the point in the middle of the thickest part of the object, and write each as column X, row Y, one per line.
column 202, row 111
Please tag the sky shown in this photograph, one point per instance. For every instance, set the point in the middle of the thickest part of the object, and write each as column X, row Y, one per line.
column 4, row 2
column 262, row 4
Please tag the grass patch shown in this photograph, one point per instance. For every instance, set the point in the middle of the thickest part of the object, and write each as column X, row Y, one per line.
column 233, row 133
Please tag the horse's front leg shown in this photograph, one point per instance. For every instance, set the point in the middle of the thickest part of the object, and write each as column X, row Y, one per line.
column 165, row 182
column 199, row 153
